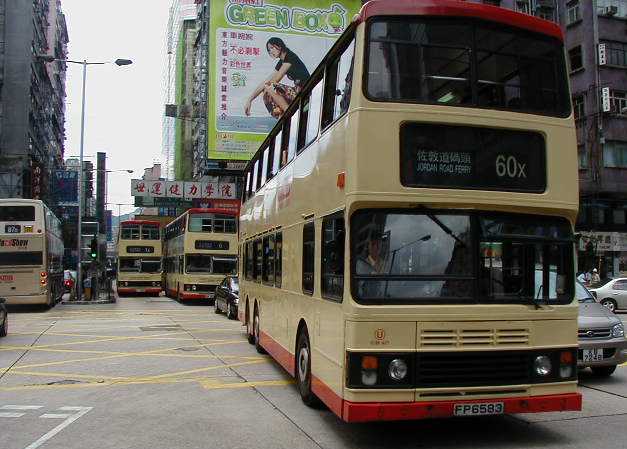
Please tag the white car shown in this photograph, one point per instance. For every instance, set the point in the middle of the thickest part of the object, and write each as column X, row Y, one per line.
column 613, row 294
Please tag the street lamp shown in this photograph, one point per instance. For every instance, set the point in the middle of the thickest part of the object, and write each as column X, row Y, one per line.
column 84, row 63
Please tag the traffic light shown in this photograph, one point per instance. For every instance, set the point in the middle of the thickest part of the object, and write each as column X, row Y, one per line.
column 93, row 252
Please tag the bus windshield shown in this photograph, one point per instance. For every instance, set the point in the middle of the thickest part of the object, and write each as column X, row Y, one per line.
column 461, row 62
column 212, row 223
column 197, row 263
column 17, row 213
column 140, row 265
column 449, row 257
column 225, row 265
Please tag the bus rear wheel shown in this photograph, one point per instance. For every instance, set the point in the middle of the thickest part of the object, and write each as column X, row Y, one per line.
column 4, row 330
column 303, row 370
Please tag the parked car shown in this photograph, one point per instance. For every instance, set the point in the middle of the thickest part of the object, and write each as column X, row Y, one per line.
column 69, row 278
column 602, row 343
column 227, row 297
column 612, row 294
column 4, row 319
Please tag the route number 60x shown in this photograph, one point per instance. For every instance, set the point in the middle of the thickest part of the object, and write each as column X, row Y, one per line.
column 510, row 167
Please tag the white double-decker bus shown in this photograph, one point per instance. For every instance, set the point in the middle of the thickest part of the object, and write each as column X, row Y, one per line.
column 407, row 226
column 31, row 253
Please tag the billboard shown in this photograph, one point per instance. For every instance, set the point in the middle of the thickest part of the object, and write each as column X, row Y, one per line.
column 262, row 52
column 66, row 187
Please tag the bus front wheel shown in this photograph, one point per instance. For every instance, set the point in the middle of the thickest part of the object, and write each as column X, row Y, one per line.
column 257, row 332
column 303, row 370
column 249, row 331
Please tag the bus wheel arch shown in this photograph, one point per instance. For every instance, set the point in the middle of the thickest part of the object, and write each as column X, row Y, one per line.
column 302, row 366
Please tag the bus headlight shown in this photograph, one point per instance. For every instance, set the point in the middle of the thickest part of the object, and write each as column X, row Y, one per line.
column 397, row 369
column 542, row 365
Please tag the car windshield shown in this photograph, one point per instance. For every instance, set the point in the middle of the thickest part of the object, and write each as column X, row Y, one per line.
column 582, row 294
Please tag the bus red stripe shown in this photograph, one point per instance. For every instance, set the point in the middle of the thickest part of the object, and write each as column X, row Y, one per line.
column 459, row 9
column 326, row 395
column 278, row 352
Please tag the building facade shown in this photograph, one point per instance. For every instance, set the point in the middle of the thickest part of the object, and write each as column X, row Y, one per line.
column 596, row 45
column 32, row 97
column 177, row 86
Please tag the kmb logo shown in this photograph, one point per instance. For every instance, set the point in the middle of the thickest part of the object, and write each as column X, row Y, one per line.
column 379, row 334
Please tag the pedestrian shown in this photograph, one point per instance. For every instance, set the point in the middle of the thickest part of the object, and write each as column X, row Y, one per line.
column 595, row 279
column 87, row 287
column 581, row 277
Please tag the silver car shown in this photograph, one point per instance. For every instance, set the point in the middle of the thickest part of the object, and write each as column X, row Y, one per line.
column 602, row 343
column 613, row 294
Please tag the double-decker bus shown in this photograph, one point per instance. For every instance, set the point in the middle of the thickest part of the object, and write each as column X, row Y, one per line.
column 407, row 226
column 31, row 253
column 200, row 249
column 139, row 258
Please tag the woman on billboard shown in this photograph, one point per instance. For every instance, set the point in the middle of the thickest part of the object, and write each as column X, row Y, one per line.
column 277, row 96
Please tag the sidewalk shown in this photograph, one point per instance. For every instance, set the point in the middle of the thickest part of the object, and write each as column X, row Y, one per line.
column 103, row 298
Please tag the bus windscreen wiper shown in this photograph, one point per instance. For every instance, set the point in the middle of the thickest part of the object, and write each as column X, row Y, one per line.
column 446, row 229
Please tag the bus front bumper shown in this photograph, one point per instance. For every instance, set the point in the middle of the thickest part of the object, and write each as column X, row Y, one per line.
column 27, row 299
column 124, row 290
column 373, row 411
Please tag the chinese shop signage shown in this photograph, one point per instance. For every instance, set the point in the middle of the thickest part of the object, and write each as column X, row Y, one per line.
column 184, row 190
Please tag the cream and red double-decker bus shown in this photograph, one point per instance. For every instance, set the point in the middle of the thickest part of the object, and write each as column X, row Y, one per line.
column 31, row 253
column 407, row 226
column 200, row 249
column 139, row 258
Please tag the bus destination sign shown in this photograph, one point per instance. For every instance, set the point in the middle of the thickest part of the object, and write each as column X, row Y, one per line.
column 464, row 157
column 212, row 245
column 140, row 249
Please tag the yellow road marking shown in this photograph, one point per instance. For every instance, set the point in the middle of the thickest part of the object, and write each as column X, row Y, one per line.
column 218, row 385
column 124, row 380
column 154, row 353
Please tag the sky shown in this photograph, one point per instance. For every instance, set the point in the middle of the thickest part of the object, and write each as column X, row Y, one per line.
column 124, row 105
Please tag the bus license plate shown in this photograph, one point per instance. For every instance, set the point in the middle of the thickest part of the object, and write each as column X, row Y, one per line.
column 479, row 409
column 593, row 355
column 12, row 229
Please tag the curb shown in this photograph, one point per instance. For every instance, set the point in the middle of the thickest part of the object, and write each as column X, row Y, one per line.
column 81, row 303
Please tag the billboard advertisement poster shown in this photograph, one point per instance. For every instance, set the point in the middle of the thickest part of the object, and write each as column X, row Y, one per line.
column 263, row 53
column 66, row 191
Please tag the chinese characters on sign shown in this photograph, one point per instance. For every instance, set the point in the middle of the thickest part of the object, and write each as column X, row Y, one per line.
column 183, row 189
column 442, row 162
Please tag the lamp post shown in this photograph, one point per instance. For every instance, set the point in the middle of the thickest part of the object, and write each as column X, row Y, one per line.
column 84, row 63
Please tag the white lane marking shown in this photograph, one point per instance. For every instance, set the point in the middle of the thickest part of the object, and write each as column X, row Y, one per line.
column 55, row 415
column 11, row 415
column 80, row 411
column 21, row 407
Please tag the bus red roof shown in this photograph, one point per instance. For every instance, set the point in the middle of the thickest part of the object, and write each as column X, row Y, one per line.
column 454, row 8
column 140, row 222
column 212, row 211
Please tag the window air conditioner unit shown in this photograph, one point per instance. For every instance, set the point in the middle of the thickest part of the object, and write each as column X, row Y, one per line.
column 610, row 10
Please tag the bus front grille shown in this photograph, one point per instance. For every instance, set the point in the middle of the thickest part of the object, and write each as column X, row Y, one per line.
column 467, row 369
